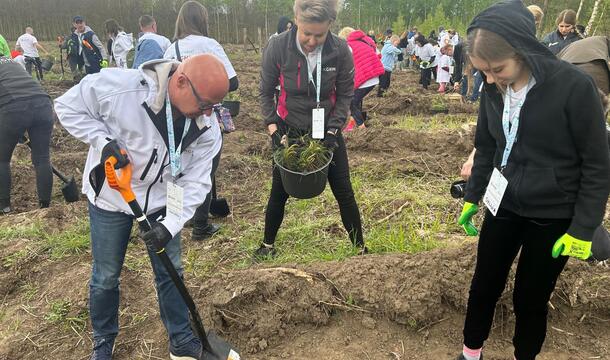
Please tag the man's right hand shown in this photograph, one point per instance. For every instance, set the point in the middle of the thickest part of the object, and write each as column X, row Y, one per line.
column 465, row 219
column 113, row 149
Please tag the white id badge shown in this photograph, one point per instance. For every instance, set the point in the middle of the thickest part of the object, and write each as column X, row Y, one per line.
column 495, row 191
column 451, row 69
column 317, row 123
column 175, row 199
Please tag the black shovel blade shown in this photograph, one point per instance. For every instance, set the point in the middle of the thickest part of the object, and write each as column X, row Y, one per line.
column 221, row 350
column 220, row 207
column 70, row 191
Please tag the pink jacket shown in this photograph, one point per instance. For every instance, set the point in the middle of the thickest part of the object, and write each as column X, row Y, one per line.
column 367, row 64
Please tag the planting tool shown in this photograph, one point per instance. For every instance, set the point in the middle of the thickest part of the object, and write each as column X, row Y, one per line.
column 60, row 40
column 69, row 189
column 213, row 347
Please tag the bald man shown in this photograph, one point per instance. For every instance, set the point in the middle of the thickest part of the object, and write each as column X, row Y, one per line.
column 29, row 45
column 161, row 115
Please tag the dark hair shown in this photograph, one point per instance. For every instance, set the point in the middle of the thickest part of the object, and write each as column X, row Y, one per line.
column 282, row 24
column 192, row 20
column 112, row 27
column 567, row 16
column 146, row 21
column 421, row 39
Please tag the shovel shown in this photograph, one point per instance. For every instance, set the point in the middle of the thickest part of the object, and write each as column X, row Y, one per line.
column 69, row 188
column 213, row 347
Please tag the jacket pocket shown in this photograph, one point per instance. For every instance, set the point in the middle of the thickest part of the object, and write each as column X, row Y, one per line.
column 539, row 187
column 151, row 161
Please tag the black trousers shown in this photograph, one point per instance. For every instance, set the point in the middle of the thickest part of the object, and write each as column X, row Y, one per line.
column 340, row 184
column 356, row 105
column 384, row 82
column 501, row 239
column 426, row 74
column 200, row 219
column 29, row 61
column 34, row 115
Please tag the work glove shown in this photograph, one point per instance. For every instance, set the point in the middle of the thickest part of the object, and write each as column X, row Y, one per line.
column 424, row 64
column 157, row 237
column 104, row 63
column 276, row 140
column 330, row 140
column 465, row 219
column 567, row 245
column 113, row 149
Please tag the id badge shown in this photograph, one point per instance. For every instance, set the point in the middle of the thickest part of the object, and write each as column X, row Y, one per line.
column 495, row 191
column 451, row 69
column 317, row 123
column 175, row 199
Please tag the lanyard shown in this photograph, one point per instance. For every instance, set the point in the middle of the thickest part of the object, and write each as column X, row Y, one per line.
column 510, row 130
column 174, row 154
column 317, row 84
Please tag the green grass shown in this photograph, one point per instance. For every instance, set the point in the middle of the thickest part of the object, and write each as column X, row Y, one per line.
column 434, row 123
column 63, row 312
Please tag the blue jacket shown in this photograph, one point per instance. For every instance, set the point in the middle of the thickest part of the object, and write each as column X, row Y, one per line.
column 389, row 55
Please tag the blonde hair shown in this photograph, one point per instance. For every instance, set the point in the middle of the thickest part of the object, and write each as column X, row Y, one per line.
column 344, row 33
column 394, row 38
column 537, row 12
column 316, row 11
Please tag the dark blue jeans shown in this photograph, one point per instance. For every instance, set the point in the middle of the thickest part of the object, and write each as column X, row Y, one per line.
column 110, row 233
column 478, row 80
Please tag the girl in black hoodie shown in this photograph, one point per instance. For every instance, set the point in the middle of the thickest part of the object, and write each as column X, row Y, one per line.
column 557, row 171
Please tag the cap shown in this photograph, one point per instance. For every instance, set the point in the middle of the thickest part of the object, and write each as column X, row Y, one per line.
column 77, row 18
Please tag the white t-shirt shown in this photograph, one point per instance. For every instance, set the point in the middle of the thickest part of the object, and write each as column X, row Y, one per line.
column 517, row 96
column 163, row 42
column 28, row 43
column 197, row 44
column 426, row 52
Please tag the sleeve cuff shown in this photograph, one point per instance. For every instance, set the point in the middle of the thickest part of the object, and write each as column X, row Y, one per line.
column 581, row 232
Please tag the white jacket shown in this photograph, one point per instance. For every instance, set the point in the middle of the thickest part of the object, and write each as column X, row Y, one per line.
column 121, row 45
column 111, row 105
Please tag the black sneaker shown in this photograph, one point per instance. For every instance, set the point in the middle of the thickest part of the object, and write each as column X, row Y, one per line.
column 102, row 350
column 189, row 351
column 44, row 204
column 201, row 233
column 264, row 252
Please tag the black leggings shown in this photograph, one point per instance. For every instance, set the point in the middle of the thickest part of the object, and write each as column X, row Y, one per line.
column 29, row 61
column 425, row 77
column 501, row 239
column 35, row 116
column 384, row 82
column 356, row 105
column 200, row 219
column 340, row 184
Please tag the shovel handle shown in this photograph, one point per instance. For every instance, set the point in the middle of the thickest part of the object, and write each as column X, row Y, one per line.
column 122, row 182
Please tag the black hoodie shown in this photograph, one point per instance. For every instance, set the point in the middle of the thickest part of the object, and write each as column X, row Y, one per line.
column 559, row 166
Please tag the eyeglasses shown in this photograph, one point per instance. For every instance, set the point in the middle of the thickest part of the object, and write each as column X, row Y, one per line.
column 200, row 103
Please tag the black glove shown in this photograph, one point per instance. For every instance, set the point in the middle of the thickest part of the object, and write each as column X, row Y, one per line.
column 432, row 59
column 330, row 140
column 276, row 140
column 157, row 237
column 113, row 149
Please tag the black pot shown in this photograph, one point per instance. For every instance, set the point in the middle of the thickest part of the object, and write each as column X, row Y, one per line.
column 233, row 107
column 304, row 185
column 46, row 64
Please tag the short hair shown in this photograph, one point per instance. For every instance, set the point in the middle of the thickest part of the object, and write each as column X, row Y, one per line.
column 344, row 33
column 146, row 21
column 567, row 16
column 394, row 38
column 316, row 11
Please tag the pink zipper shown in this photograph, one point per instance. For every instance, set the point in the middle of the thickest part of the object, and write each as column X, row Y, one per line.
column 299, row 75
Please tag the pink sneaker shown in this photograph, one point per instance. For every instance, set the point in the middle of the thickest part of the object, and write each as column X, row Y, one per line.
column 441, row 88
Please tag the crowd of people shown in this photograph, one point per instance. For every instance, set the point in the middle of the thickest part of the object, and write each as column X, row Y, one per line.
column 541, row 163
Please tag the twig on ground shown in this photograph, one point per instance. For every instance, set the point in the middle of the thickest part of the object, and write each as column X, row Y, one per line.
column 429, row 325
column 393, row 213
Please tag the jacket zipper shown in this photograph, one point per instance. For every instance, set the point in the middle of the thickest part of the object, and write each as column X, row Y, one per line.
column 153, row 160
column 299, row 75
column 161, row 168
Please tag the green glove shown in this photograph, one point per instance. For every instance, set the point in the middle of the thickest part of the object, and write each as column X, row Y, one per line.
column 567, row 245
column 104, row 63
column 465, row 219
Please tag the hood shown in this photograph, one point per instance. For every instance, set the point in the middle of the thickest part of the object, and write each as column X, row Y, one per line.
column 511, row 20
column 357, row 35
column 157, row 74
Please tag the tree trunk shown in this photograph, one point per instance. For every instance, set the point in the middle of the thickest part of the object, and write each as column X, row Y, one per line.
column 593, row 16
column 579, row 9
column 545, row 9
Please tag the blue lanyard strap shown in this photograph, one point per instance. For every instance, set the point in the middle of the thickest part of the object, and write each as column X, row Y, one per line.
column 318, row 82
column 174, row 154
column 511, row 128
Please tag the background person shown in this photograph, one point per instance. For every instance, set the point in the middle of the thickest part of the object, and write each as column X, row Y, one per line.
column 554, row 157
column 24, row 107
column 122, row 43
column 150, row 45
column 29, row 45
column 309, row 40
column 90, row 48
column 565, row 34
column 5, row 49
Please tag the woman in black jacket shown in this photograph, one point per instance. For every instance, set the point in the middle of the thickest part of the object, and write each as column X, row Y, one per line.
column 541, row 138
column 290, row 60
column 565, row 33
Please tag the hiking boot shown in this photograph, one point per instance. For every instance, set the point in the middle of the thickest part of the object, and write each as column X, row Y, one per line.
column 203, row 232
column 264, row 252
column 189, row 351
column 102, row 350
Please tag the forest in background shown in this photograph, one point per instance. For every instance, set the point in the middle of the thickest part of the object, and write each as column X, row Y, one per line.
column 228, row 18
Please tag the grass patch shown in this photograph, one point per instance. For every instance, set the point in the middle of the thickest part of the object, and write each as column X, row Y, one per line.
column 62, row 312
column 74, row 240
column 434, row 123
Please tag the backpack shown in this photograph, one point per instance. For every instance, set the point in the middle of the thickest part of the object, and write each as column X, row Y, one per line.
column 147, row 49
